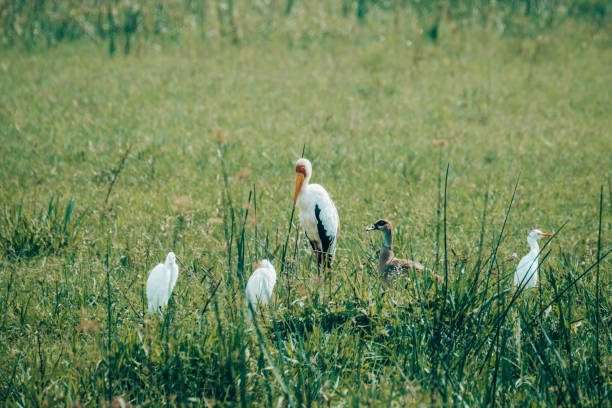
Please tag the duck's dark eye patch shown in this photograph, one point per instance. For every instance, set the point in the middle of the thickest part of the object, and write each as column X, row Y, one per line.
column 380, row 223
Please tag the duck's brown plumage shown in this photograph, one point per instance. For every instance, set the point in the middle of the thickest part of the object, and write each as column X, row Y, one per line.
column 388, row 265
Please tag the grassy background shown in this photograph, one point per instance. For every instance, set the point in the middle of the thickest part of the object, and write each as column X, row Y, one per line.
column 381, row 111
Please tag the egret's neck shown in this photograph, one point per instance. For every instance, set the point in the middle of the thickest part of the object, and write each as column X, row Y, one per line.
column 533, row 244
column 172, row 267
column 387, row 238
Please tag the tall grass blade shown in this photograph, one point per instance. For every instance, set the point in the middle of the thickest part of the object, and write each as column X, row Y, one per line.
column 598, row 375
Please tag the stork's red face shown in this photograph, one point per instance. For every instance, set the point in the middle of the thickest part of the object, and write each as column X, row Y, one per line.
column 300, row 175
column 303, row 170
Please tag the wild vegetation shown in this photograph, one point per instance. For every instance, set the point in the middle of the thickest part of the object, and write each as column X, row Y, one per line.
column 464, row 125
column 122, row 24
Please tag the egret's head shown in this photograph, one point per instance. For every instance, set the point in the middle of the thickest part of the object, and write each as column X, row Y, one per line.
column 267, row 267
column 170, row 258
column 537, row 234
column 264, row 263
column 303, row 171
column 380, row 225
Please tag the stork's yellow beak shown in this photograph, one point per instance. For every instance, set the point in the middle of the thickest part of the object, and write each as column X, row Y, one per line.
column 299, row 180
column 547, row 234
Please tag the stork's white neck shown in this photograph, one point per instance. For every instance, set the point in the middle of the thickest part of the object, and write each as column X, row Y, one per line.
column 303, row 189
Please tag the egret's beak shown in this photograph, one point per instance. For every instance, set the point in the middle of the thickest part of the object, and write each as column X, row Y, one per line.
column 547, row 234
column 299, row 180
column 370, row 228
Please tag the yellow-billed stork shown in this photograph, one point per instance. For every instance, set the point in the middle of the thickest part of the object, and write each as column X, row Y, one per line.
column 318, row 214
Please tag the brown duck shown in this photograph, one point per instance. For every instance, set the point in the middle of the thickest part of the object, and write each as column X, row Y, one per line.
column 388, row 265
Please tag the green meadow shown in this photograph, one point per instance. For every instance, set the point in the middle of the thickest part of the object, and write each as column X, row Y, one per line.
column 465, row 139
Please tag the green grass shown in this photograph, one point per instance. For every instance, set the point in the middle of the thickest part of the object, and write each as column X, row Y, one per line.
column 143, row 144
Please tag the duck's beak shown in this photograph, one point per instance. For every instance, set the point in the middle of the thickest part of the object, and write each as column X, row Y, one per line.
column 370, row 228
column 299, row 180
column 547, row 234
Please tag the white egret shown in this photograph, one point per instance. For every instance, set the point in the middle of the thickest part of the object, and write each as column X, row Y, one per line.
column 161, row 282
column 526, row 274
column 318, row 214
column 388, row 265
column 260, row 285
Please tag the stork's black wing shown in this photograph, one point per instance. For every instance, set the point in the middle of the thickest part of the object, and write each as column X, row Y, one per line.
column 324, row 236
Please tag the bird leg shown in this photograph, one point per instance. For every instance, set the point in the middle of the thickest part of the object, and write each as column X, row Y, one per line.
column 324, row 259
column 319, row 258
column 313, row 244
column 327, row 260
column 317, row 250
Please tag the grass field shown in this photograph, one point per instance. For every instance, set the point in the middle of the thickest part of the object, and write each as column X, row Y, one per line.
column 109, row 163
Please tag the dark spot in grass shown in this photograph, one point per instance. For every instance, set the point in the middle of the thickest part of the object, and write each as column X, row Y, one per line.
column 490, row 157
column 27, row 233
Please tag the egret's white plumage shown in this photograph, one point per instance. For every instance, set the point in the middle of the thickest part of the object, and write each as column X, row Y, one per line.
column 526, row 274
column 161, row 282
column 260, row 285
column 318, row 214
